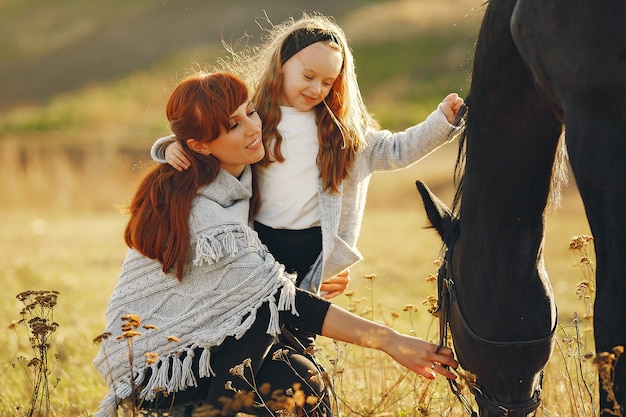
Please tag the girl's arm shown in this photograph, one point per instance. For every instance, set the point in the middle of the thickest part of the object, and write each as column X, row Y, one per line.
column 414, row 353
column 157, row 152
column 389, row 151
column 167, row 150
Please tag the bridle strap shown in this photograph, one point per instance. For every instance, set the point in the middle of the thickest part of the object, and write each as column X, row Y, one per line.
column 506, row 409
column 446, row 296
column 443, row 311
column 495, row 343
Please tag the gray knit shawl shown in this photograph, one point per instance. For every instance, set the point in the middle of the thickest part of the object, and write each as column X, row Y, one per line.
column 228, row 276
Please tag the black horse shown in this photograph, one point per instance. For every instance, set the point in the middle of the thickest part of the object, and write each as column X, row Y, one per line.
column 541, row 68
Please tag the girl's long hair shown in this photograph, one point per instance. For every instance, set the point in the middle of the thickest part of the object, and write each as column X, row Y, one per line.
column 199, row 108
column 342, row 119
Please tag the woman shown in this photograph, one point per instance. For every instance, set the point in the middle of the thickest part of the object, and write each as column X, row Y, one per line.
column 199, row 275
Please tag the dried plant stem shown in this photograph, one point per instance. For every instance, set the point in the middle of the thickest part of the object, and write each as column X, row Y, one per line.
column 37, row 316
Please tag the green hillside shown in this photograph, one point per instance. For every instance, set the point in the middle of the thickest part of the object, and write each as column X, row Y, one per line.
column 48, row 48
column 83, row 85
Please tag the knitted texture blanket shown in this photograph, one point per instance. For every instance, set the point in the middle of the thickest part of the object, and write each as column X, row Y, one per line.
column 229, row 275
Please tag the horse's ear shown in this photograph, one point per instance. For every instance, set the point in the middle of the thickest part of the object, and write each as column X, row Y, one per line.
column 438, row 213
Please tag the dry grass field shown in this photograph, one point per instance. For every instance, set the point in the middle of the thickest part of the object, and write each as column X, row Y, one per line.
column 71, row 158
column 78, row 253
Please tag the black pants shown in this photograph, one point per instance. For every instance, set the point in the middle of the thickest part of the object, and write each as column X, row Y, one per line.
column 270, row 376
column 297, row 250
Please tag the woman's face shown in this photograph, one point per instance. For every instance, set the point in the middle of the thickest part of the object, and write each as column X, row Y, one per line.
column 309, row 75
column 241, row 144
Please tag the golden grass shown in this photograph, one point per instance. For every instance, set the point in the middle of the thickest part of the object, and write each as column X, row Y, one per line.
column 70, row 253
column 78, row 251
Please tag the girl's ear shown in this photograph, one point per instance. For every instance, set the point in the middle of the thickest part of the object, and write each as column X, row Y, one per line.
column 199, row 147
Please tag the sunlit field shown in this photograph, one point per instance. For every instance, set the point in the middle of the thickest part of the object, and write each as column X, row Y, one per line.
column 71, row 165
column 79, row 255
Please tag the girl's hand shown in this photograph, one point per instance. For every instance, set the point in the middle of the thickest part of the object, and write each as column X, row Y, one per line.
column 336, row 285
column 176, row 157
column 450, row 106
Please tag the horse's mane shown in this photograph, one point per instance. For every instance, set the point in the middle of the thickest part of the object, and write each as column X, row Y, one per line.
column 558, row 180
column 459, row 166
column 559, row 174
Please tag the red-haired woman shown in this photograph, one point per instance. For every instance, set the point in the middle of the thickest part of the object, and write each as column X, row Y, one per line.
column 199, row 276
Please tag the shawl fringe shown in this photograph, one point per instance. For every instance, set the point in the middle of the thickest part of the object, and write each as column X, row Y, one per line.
column 173, row 371
column 210, row 249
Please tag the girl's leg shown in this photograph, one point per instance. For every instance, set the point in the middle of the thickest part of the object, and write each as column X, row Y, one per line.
column 297, row 250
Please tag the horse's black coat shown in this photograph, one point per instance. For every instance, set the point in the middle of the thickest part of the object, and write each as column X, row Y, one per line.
column 539, row 65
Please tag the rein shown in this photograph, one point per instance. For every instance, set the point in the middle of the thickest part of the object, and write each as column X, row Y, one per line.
column 447, row 297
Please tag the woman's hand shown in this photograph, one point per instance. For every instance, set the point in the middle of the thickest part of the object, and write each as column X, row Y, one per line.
column 336, row 285
column 176, row 157
column 420, row 356
column 450, row 106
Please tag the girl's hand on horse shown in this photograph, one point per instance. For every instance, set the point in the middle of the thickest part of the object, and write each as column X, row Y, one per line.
column 336, row 285
column 450, row 106
column 176, row 157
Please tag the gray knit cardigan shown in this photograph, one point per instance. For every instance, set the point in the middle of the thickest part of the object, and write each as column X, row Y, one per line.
column 228, row 276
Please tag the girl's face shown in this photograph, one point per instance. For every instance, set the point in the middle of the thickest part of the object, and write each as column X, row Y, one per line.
column 309, row 75
column 241, row 144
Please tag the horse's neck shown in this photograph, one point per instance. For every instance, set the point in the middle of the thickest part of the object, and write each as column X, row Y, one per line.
column 512, row 138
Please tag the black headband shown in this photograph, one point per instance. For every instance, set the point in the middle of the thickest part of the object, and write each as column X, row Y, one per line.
column 301, row 38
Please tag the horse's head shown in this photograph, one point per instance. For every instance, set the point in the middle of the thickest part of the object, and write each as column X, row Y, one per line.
column 508, row 366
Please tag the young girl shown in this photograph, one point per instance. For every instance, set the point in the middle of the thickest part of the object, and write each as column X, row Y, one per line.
column 201, row 278
column 321, row 145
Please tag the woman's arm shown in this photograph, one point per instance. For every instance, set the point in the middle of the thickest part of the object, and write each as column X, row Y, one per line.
column 416, row 354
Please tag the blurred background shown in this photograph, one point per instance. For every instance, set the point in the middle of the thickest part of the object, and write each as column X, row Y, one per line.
column 83, row 85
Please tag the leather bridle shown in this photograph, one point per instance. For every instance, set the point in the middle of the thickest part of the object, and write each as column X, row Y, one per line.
column 447, row 299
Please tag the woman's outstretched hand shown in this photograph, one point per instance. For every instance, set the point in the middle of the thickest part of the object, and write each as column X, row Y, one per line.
column 418, row 355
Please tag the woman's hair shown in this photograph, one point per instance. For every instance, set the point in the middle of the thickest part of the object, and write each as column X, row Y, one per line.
column 199, row 108
column 342, row 119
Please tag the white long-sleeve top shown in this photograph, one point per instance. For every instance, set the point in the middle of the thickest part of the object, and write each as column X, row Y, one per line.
column 288, row 190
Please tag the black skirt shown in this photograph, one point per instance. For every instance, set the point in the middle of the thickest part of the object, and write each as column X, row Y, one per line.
column 296, row 249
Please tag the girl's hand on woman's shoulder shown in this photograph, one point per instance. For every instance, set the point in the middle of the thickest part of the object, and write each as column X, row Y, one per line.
column 176, row 156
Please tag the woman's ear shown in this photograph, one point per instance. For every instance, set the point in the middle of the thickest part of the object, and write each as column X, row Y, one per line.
column 199, row 147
